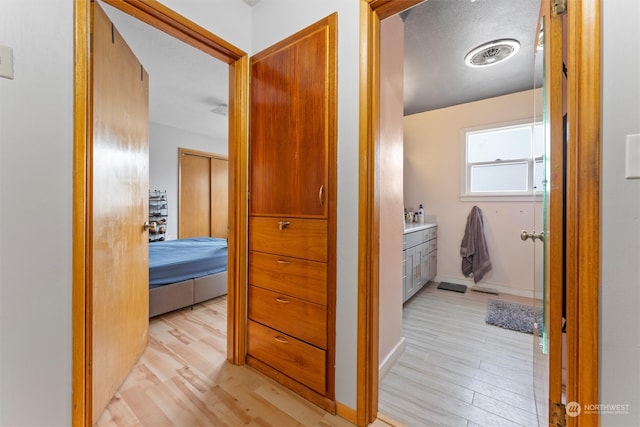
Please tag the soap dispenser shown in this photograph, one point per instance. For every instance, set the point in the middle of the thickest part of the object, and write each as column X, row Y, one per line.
column 421, row 214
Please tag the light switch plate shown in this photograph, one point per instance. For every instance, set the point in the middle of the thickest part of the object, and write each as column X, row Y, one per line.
column 6, row 62
column 632, row 157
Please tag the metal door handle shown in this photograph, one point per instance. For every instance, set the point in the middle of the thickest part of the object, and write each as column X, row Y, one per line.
column 533, row 236
column 320, row 193
column 151, row 226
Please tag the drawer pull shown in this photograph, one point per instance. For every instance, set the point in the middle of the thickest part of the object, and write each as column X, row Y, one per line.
column 283, row 224
column 282, row 340
column 283, row 300
column 281, row 261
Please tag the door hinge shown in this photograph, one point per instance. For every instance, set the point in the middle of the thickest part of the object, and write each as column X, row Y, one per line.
column 557, row 414
column 559, row 7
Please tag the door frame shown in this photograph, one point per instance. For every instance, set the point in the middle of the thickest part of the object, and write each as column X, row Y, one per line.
column 583, row 204
column 172, row 23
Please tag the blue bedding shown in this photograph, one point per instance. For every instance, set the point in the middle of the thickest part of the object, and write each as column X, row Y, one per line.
column 173, row 261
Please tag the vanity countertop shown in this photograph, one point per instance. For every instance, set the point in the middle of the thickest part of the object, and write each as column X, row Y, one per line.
column 414, row 226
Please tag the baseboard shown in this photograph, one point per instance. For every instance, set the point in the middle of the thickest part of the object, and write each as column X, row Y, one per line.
column 391, row 359
column 501, row 289
column 346, row 412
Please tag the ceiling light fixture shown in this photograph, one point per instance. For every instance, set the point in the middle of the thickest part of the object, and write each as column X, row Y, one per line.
column 492, row 53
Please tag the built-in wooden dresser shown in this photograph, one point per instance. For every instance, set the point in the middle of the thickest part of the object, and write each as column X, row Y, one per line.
column 292, row 213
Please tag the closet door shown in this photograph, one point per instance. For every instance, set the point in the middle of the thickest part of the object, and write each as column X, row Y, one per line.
column 203, row 195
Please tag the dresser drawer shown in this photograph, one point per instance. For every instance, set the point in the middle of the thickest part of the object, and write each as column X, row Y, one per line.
column 304, row 320
column 296, row 359
column 294, row 237
column 293, row 276
column 430, row 233
column 413, row 239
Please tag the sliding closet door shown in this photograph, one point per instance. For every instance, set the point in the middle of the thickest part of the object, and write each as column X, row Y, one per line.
column 203, row 195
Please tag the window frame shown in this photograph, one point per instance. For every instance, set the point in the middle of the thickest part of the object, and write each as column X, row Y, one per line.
column 531, row 193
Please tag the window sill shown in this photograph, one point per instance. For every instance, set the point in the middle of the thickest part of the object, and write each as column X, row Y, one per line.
column 501, row 197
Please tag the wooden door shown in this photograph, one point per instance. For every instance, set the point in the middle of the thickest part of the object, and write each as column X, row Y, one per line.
column 195, row 187
column 289, row 149
column 203, row 195
column 119, row 297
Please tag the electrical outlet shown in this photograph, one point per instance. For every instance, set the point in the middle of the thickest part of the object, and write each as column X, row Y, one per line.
column 6, row 62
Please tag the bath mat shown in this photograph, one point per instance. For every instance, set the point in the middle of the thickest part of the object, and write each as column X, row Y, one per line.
column 452, row 287
column 509, row 315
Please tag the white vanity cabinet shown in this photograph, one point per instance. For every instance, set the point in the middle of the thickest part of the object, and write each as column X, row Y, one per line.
column 419, row 257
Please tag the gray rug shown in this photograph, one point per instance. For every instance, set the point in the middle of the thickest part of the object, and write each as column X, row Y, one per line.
column 509, row 315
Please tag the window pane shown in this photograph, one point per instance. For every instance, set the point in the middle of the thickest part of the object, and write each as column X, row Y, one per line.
column 538, row 176
column 538, row 140
column 503, row 144
column 509, row 177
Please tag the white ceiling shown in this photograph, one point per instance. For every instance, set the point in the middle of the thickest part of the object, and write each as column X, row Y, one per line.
column 186, row 84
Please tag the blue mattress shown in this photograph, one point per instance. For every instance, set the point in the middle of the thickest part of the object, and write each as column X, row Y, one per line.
column 173, row 261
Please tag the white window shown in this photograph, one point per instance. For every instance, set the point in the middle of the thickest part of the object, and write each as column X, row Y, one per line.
column 505, row 161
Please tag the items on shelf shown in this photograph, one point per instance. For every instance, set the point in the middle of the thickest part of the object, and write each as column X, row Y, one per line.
column 158, row 213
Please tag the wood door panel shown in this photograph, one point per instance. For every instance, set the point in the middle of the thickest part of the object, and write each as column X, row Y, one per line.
column 300, row 278
column 294, row 358
column 289, row 161
column 219, row 197
column 304, row 320
column 119, row 298
column 195, row 210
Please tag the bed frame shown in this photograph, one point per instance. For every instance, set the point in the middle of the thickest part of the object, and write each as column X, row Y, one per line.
column 174, row 296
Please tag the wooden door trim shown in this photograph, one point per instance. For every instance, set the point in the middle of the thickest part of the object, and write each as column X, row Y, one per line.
column 583, row 205
column 165, row 19
column 553, row 51
column 371, row 13
column 583, row 216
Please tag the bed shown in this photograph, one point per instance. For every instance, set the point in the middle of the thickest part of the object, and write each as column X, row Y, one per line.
column 185, row 272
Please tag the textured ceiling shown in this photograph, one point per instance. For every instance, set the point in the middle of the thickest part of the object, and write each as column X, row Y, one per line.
column 187, row 84
column 438, row 35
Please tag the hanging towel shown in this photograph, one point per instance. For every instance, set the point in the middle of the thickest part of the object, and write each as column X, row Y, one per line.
column 474, row 251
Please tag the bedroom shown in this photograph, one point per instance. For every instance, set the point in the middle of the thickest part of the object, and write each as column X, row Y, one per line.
column 187, row 167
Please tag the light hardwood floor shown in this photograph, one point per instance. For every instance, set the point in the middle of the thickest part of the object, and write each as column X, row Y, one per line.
column 183, row 380
column 456, row 370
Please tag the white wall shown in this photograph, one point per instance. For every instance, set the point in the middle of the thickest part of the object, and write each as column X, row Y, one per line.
column 164, row 142
column 433, row 172
column 274, row 20
column 36, row 134
column 227, row 19
column 390, row 191
column 620, row 281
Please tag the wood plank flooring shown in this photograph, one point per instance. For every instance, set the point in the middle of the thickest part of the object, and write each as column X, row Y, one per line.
column 183, row 379
column 456, row 370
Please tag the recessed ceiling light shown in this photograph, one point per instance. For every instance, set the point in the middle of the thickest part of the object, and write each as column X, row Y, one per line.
column 492, row 53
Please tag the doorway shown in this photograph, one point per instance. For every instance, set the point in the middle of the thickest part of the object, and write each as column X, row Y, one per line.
column 179, row 27
column 436, row 339
column 583, row 30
